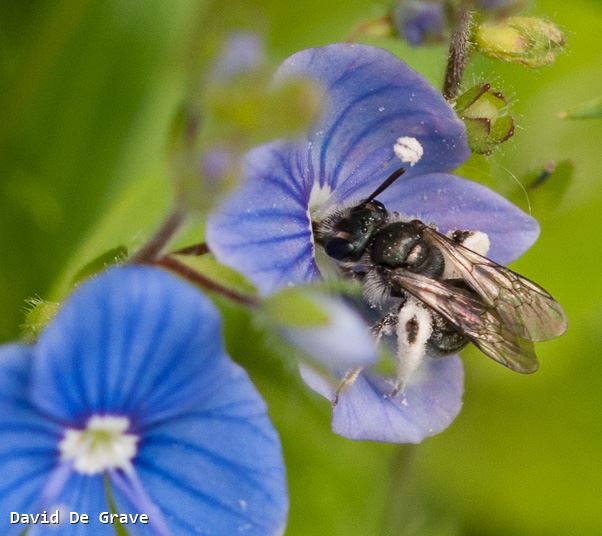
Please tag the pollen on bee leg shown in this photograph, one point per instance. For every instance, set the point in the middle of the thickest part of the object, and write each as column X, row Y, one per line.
column 408, row 150
column 476, row 241
column 414, row 329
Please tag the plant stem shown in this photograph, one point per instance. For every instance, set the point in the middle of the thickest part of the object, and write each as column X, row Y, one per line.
column 459, row 52
column 196, row 250
column 167, row 261
column 400, row 506
column 162, row 236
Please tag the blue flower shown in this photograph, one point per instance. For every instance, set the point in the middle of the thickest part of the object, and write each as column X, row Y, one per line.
column 243, row 52
column 420, row 21
column 130, row 384
column 264, row 229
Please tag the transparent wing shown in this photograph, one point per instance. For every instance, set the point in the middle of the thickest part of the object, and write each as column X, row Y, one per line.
column 525, row 308
column 479, row 322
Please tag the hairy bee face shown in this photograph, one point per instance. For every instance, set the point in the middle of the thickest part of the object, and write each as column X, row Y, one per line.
column 345, row 235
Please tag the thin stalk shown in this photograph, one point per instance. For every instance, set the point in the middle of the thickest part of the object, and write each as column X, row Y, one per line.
column 161, row 237
column 459, row 52
column 169, row 262
column 400, row 506
column 196, row 250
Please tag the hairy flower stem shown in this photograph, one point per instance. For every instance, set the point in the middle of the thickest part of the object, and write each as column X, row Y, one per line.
column 162, row 236
column 459, row 52
column 196, row 250
column 167, row 261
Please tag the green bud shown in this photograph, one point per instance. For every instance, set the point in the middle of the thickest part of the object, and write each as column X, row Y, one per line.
column 591, row 109
column 486, row 116
column 39, row 313
column 258, row 111
column 377, row 28
column 530, row 41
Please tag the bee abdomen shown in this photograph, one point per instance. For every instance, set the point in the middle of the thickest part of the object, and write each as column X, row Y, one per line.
column 445, row 338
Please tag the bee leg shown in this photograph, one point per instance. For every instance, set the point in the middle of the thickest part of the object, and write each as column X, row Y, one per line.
column 414, row 329
column 347, row 380
column 385, row 326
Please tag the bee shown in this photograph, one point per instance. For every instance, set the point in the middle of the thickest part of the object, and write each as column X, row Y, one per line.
column 440, row 291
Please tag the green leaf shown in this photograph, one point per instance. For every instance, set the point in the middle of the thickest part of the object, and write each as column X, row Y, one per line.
column 295, row 308
column 133, row 216
column 591, row 109
column 112, row 256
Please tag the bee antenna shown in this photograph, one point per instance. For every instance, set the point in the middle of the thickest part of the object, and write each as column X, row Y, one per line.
column 390, row 180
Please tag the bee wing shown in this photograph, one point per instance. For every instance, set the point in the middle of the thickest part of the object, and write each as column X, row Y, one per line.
column 526, row 309
column 474, row 318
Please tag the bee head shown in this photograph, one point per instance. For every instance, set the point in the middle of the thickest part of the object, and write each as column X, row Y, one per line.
column 347, row 234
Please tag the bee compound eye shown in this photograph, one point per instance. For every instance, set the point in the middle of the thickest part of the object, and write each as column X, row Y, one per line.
column 338, row 248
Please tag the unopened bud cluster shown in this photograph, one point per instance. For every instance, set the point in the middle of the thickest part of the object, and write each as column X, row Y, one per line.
column 486, row 116
column 531, row 41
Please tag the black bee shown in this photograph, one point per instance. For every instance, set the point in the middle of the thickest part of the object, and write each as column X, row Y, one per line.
column 440, row 293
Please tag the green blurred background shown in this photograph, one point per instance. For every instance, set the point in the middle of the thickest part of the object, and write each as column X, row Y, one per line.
column 88, row 90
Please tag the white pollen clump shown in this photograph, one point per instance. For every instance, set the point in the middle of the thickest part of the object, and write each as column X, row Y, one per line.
column 102, row 445
column 478, row 242
column 411, row 349
column 408, row 150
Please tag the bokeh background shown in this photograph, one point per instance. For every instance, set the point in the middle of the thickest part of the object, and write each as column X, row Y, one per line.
column 88, row 91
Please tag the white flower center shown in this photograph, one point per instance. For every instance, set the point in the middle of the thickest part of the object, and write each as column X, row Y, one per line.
column 101, row 446
column 408, row 150
column 318, row 198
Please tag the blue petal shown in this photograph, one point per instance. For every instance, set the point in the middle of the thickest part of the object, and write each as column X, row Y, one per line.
column 83, row 495
column 372, row 99
column 217, row 469
column 343, row 343
column 134, row 341
column 428, row 405
column 263, row 229
column 28, row 450
column 451, row 202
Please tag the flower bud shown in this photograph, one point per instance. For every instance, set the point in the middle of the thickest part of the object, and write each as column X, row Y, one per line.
column 39, row 313
column 420, row 21
column 528, row 40
column 485, row 114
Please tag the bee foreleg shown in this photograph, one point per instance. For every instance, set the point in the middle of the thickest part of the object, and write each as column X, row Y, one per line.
column 414, row 328
column 347, row 380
